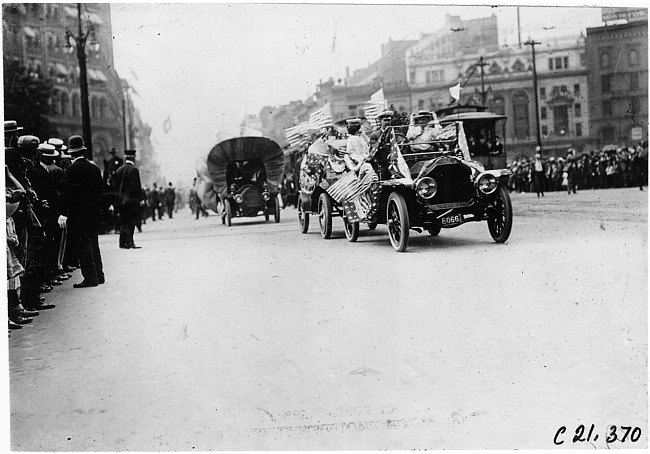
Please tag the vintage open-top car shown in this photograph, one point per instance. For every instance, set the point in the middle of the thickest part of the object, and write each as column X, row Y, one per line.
column 430, row 188
column 246, row 173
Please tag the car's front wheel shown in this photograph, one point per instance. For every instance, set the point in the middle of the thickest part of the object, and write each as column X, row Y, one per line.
column 303, row 217
column 325, row 215
column 228, row 210
column 500, row 216
column 276, row 215
column 351, row 230
column 397, row 219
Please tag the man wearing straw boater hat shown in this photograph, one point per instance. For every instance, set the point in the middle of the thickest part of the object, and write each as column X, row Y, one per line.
column 80, row 212
column 129, row 199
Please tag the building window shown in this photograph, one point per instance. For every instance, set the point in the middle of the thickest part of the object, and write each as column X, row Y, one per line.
column 420, row 104
column 544, row 113
column 103, row 108
column 561, row 120
column 633, row 58
column 583, row 59
column 566, row 62
column 607, row 108
column 550, row 63
column 518, row 66
column 542, row 92
column 558, row 63
column 498, row 105
column 64, row 103
column 606, row 84
column 352, row 107
column 93, row 108
column 521, row 116
column 76, row 105
column 634, row 81
column 634, row 106
column 544, row 130
column 563, row 89
column 412, row 76
column 576, row 89
column 577, row 110
column 578, row 129
column 604, row 60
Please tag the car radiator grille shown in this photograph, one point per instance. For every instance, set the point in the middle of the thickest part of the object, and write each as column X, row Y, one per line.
column 252, row 197
column 454, row 184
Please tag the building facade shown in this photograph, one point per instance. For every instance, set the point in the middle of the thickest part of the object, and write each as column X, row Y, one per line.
column 35, row 33
column 618, row 82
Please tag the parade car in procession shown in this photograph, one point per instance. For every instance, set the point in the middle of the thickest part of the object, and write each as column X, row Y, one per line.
column 245, row 173
column 439, row 188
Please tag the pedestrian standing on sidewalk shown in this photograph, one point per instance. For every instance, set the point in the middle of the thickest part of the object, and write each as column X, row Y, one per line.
column 129, row 199
column 539, row 174
column 161, row 206
column 170, row 198
column 80, row 212
column 154, row 201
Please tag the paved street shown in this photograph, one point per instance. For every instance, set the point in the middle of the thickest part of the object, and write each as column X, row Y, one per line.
column 257, row 337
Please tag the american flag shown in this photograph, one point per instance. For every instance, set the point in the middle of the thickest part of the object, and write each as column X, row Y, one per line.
column 322, row 118
column 397, row 163
column 448, row 132
column 376, row 105
column 297, row 135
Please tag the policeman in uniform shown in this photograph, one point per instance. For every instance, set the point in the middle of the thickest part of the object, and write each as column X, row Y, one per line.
column 129, row 199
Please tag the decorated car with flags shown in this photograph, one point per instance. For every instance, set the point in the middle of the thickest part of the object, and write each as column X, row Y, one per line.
column 423, row 186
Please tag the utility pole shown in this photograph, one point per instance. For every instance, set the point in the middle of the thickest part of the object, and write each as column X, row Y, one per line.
column 532, row 44
column 482, row 63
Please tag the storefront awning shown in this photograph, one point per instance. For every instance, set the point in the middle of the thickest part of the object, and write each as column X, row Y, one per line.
column 61, row 69
column 85, row 15
column 29, row 31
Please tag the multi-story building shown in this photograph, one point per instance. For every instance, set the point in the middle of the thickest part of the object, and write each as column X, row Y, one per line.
column 618, row 80
column 502, row 79
column 35, row 34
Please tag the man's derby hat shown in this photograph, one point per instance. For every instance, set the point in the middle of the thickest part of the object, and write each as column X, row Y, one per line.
column 12, row 126
column 76, row 144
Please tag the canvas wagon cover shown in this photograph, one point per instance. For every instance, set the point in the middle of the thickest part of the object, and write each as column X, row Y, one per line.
column 246, row 149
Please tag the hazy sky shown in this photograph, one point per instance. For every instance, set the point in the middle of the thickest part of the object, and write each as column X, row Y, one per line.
column 207, row 65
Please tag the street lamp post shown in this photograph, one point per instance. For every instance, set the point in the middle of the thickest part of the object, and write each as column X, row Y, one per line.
column 532, row 44
column 79, row 43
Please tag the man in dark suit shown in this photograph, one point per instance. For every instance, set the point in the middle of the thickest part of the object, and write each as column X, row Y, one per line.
column 129, row 199
column 79, row 204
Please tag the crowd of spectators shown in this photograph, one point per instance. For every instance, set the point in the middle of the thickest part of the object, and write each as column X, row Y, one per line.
column 604, row 169
column 40, row 254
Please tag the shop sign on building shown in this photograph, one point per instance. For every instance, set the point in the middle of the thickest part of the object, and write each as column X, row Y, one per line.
column 628, row 14
column 636, row 133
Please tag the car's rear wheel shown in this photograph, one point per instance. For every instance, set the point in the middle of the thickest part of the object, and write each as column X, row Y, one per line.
column 228, row 212
column 303, row 217
column 351, row 230
column 276, row 215
column 434, row 230
column 397, row 218
column 500, row 216
column 325, row 215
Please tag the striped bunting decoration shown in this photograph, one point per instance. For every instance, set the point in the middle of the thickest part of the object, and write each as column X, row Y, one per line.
column 345, row 187
column 322, row 118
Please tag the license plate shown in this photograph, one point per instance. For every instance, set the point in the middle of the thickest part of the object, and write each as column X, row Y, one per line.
column 453, row 219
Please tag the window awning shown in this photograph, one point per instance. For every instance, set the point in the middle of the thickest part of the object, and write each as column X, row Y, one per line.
column 29, row 31
column 97, row 75
column 92, row 17
column 61, row 69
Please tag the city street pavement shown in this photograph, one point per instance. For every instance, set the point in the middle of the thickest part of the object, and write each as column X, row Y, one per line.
column 258, row 337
